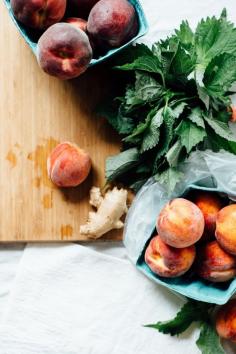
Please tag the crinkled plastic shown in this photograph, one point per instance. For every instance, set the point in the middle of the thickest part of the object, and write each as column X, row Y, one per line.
column 203, row 170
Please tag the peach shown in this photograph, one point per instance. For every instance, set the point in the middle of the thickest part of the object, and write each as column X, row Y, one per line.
column 226, row 228
column 38, row 14
column 168, row 261
column 180, row 223
column 68, row 165
column 78, row 23
column 81, row 8
column 210, row 204
column 232, row 110
column 64, row 51
column 112, row 23
column 214, row 264
column 226, row 321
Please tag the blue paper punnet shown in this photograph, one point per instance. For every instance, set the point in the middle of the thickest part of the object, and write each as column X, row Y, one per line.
column 30, row 37
column 207, row 171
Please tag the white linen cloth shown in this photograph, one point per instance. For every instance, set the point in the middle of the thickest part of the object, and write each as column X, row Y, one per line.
column 67, row 299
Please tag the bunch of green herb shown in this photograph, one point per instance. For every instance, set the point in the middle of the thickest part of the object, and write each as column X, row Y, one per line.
column 194, row 311
column 175, row 99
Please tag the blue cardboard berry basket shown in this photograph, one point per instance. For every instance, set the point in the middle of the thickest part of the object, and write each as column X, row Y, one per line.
column 203, row 171
column 30, row 37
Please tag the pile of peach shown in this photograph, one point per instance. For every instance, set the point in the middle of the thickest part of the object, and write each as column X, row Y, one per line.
column 199, row 233
column 65, row 49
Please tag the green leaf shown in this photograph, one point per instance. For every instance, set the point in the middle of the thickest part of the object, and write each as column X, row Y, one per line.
column 147, row 88
column 185, row 34
column 182, row 64
column 132, row 52
column 149, row 64
column 213, row 37
column 178, row 109
column 191, row 311
column 121, row 163
column 131, row 99
column 190, row 134
column 115, row 116
column 220, row 74
column 220, row 128
column 196, row 117
column 169, row 178
column 208, row 341
column 152, row 133
column 172, row 155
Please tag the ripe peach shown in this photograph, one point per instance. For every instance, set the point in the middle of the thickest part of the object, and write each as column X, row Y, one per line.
column 112, row 23
column 78, row 23
column 63, row 51
column 68, row 165
column 226, row 321
column 180, row 223
column 226, row 228
column 38, row 14
column 168, row 261
column 214, row 264
column 210, row 204
column 232, row 110
column 81, row 8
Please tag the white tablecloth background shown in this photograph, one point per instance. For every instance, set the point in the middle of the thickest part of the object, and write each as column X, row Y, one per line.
column 163, row 16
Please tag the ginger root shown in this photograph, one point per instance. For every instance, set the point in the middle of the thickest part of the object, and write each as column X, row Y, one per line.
column 110, row 208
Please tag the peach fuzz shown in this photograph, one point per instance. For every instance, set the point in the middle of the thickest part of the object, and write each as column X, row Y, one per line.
column 226, row 228
column 210, row 204
column 214, row 264
column 78, row 23
column 180, row 223
column 38, row 14
column 226, row 321
column 112, row 23
column 167, row 261
column 64, row 51
column 68, row 165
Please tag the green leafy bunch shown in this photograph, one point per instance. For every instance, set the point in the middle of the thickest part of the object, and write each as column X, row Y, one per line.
column 201, row 313
column 175, row 98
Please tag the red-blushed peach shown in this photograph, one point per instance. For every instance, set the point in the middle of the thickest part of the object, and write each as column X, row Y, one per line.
column 226, row 321
column 180, row 223
column 64, row 51
column 38, row 14
column 168, row 261
column 233, row 114
column 210, row 204
column 226, row 228
column 68, row 165
column 214, row 264
column 78, row 23
column 112, row 23
column 81, row 8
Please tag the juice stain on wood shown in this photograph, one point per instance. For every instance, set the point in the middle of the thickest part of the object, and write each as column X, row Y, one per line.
column 39, row 158
column 66, row 231
column 48, row 201
column 11, row 158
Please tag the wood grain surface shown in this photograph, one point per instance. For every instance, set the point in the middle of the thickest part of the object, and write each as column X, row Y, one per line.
column 37, row 112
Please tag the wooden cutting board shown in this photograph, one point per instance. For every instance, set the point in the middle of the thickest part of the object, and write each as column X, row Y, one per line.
column 37, row 112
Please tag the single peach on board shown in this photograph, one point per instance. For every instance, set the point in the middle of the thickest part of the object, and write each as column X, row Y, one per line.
column 214, row 264
column 180, row 223
column 226, row 228
column 226, row 321
column 38, row 14
column 68, row 165
column 77, row 22
column 64, row 51
column 210, row 204
column 112, row 23
column 167, row 261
